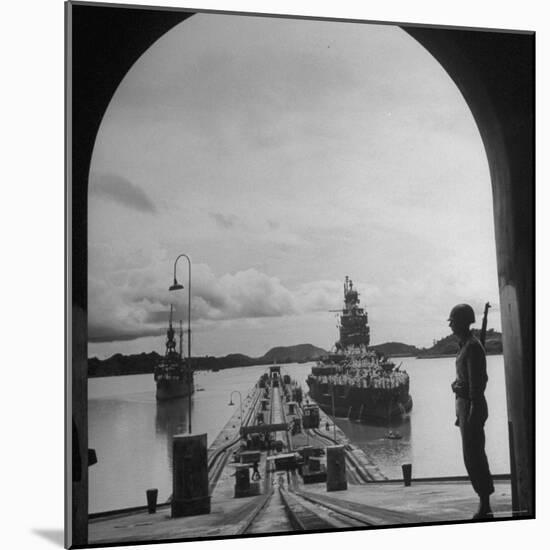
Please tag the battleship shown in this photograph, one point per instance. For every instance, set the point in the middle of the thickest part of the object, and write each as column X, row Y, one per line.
column 172, row 375
column 354, row 380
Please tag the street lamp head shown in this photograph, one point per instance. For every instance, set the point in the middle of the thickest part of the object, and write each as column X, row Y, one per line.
column 230, row 402
column 176, row 286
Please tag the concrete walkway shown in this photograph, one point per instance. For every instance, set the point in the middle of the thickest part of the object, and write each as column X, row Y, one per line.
column 380, row 504
column 389, row 503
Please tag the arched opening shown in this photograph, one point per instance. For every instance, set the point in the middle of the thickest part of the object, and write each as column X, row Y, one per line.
column 495, row 73
column 503, row 112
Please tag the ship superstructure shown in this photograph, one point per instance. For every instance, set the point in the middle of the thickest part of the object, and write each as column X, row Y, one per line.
column 355, row 380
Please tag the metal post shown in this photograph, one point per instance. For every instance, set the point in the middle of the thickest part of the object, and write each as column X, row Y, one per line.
column 176, row 286
column 240, row 402
column 181, row 340
column 190, row 495
column 190, row 368
column 333, row 416
column 336, row 468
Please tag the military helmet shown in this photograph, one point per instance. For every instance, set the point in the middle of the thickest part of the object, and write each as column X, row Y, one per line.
column 464, row 313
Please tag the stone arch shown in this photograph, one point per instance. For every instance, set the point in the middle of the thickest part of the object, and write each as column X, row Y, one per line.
column 495, row 73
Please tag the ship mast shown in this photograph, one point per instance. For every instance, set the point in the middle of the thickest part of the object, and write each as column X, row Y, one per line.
column 170, row 342
column 354, row 329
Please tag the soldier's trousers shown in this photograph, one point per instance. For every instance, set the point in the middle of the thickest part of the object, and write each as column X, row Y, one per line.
column 473, row 447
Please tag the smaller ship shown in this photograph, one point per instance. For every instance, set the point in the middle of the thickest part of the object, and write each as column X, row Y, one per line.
column 173, row 376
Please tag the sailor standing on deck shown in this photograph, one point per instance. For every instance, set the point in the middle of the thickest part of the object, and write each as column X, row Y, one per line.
column 471, row 406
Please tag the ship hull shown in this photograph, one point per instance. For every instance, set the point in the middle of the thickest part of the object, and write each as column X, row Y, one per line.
column 362, row 404
column 172, row 389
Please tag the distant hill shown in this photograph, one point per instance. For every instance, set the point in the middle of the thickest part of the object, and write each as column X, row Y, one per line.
column 396, row 349
column 293, row 354
column 449, row 345
column 118, row 364
column 144, row 363
column 233, row 360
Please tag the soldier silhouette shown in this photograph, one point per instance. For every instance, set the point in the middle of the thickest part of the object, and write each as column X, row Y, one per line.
column 471, row 406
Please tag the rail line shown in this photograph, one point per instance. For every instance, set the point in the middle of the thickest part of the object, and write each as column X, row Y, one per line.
column 296, row 512
column 216, row 462
column 354, row 466
column 356, row 473
column 308, row 514
column 271, row 505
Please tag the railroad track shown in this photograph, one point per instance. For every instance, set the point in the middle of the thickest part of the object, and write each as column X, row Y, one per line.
column 271, row 514
column 218, row 459
column 283, row 508
column 356, row 472
column 310, row 514
column 356, row 468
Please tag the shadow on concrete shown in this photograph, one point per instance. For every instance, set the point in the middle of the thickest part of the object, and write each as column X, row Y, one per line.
column 53, row 535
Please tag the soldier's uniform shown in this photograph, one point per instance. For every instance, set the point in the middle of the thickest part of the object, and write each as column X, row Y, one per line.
column 469, row 386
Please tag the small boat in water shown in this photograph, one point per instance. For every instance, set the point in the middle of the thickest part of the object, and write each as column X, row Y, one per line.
column 172, row 375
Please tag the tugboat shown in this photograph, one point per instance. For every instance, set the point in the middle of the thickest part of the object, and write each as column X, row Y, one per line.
column 355, row 381
column 172, row 375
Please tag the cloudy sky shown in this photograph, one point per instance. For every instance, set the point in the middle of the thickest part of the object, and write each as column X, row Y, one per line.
column 281, row 156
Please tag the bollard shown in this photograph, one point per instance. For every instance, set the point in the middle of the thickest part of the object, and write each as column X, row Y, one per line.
column 407, row 474
column 152, row 495
column 242, row 481
column 190, row 476
column 336, row 468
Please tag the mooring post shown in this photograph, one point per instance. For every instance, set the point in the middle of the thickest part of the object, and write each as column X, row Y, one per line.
column 242, row 480
column 190, row 476
column 336, row 468
column 407, row 474
column 152, row 495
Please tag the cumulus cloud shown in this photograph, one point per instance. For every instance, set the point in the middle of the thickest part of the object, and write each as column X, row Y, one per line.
column 130, row 299
column 122, row 191
column 135, row 302
column 224, row 221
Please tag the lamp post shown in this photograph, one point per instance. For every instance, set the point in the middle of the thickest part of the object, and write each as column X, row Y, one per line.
column 240, row 403
column 177, row 286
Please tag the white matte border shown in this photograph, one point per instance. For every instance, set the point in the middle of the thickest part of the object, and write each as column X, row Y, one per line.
column 32, row 274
